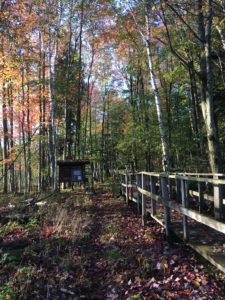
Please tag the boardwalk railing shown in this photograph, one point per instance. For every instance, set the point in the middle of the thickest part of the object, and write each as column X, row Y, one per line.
column 199, row 197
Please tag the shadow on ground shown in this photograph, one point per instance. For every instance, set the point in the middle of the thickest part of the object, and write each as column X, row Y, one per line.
column 81, row 247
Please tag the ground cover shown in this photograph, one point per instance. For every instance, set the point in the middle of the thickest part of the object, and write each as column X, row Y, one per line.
column 75, row 246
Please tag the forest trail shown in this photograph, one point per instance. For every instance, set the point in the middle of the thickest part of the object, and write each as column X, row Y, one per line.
column 94, row 247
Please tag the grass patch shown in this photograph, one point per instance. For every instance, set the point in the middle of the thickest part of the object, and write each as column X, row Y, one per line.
column 7, row 260
column 114, row 255
column 110, row 233
column 6, row 293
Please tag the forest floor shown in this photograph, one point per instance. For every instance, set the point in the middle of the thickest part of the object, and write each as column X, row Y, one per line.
column 75, row 246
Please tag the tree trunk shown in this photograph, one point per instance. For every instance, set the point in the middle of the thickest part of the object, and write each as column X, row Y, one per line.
column 5, row 141
column 23, row 131
column 102, row 164
column 52, row 59
column 88, row 104
column 165, row 156
column 29, row 170
column 79, row 91
column 12, row 169
column 67, row 109
column 206, row 85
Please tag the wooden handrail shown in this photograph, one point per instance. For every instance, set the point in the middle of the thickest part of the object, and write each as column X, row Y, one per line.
column 158, row 191
column 188, row 178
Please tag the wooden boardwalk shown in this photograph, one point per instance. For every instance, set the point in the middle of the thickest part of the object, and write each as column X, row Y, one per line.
column 190, row 205
column 207, row 242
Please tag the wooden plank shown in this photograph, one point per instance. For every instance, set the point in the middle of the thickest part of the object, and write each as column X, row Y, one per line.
column 160, row 221
column 149, row 194
column 143, row 200
column 127, row 185
column 207, row 251
column 208, row 221
column 214, row 258
column 218, row 200
column 200, row 197
column 184, row 205
column 178, row 189
column 151, row 174
column 127, row 189
column 138, row 182
column 217, row 225
column 201, row 174
column 190, row 178
column 133, row 199
column 153, row 192
column 206, row 180
column 205, row 196
column 165, row 200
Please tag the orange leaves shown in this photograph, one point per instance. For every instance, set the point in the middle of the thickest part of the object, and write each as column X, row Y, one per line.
column 137, row 280
column 118, row 279
column 48, row 231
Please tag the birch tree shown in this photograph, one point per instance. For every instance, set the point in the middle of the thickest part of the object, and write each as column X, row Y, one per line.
column 52, row 59
column 202, row 34
column 146, row 35
column 205, row 33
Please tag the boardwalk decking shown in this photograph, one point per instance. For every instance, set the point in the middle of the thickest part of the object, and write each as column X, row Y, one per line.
column 181, row 204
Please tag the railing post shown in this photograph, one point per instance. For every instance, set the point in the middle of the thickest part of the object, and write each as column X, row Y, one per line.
column 131, row 187
column 165, row 200
column 143, row 200
column 153, row 191
column 170, row 188
column 178, row 190
column 127, row 190
column 201, row 197
column 138, row 193
column 218, row 193
column 184, row 204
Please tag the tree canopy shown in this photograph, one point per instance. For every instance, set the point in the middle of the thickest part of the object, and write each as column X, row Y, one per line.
column 135, row 85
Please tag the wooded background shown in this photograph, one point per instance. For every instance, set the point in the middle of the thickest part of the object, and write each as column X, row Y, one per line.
column 136, row 85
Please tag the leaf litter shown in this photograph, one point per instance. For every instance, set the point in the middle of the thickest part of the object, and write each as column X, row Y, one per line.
column 95, row 247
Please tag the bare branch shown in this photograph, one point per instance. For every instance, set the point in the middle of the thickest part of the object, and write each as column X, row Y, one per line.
column 183, row 21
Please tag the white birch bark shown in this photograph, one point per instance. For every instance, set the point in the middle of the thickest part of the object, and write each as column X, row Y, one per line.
column 222, row 36
column 165, row 157
column 52, row 59
column 147, row 41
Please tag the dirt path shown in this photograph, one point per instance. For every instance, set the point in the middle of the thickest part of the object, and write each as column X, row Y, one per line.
column 97, row 249
column 127, row 261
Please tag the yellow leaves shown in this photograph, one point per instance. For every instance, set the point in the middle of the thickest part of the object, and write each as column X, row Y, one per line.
column 164, row 264
column 118, row 279
column 6, row 161
column 101, row 264
column 148, row 236
column 196, row 282
column 137, row 280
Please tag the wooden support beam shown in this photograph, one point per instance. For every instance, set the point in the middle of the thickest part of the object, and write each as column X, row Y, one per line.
column 138, row 183
column 149, row 194
column 143, row 201
column 178, row 190
column 127, row 190
column 165, row 200
column 208, row 221
column 201, row 196
column 184, row 204
column 153, row 191
column 218, row 193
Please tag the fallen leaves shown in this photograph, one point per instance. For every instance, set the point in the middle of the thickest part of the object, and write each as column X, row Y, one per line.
column 107, row 255
column 118, row 279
